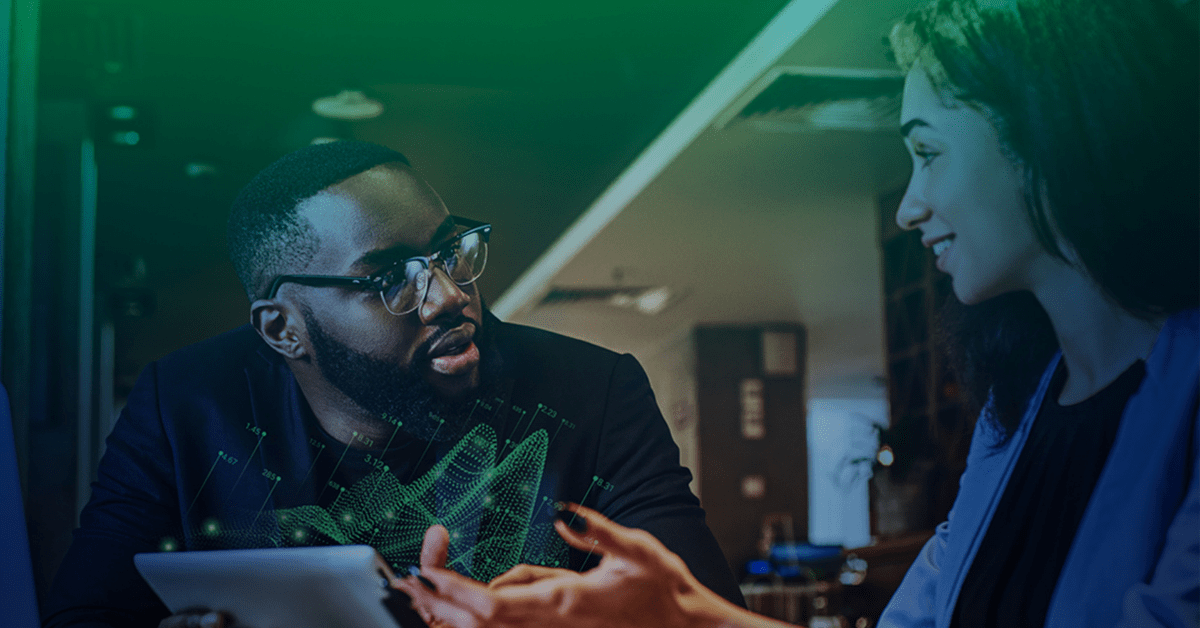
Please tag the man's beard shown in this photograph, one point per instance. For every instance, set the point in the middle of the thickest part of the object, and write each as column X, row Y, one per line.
column 382, row 387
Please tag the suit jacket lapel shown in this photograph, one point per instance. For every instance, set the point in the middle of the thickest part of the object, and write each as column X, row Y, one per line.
column 988, row 470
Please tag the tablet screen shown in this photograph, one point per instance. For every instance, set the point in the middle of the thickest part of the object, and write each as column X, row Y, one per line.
column 297, row 587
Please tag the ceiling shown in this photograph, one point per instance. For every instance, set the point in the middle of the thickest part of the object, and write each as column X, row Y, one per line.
column 752, row 227
column 519, row 113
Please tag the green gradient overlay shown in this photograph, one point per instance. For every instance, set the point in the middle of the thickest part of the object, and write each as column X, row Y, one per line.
column 487, row 504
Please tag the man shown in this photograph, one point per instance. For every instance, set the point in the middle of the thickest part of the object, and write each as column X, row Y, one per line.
column 372, row 397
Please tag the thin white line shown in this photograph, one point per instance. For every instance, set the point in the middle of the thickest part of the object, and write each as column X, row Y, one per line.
column 779, row 35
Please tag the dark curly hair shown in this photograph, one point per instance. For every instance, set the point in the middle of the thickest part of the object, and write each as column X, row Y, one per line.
column 1098, row 102
column 266, row 236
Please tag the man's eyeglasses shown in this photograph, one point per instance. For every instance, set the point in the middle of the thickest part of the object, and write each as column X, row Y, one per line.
column 404, row 284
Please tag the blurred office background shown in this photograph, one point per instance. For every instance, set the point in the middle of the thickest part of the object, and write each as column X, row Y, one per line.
column 708, row 185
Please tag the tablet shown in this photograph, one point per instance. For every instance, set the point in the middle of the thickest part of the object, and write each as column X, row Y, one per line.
column 342, row 586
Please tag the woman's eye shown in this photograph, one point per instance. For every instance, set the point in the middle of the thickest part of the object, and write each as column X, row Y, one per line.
column 925, row 155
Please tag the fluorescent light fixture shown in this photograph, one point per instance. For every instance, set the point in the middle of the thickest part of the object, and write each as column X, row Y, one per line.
column 797, row 99
column 122, row 112
column 654, row 300
column 197, row 169
column 649, row 301
column 347, row 105
column 126, row 138
column 847, row 115
column 622, row 299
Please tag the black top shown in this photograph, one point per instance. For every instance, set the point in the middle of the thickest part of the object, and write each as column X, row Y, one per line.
column 1016, row 569
column 217, row 447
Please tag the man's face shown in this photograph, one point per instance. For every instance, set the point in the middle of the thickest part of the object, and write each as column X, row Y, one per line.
column 365, row 224
column 383, row 387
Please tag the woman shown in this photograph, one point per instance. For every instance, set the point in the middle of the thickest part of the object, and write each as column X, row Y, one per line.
column 1055, row 163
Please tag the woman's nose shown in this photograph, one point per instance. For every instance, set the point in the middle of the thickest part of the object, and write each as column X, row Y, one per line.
column 913, row 209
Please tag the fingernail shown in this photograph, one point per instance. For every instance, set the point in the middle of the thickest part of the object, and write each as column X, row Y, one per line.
column 560, row 506
column 415, row 572
column 574, row 520
column 211, row 620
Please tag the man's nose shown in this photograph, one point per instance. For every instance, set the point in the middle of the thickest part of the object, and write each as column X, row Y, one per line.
column 444, row 297
column 913, row 209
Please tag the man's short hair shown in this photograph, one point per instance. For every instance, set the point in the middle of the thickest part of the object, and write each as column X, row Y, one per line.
column 267, row 237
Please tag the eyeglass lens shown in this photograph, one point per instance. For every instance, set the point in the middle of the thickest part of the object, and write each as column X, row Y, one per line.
column 405, row 286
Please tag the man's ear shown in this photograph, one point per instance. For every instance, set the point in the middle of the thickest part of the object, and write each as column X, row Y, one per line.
column 279, row 325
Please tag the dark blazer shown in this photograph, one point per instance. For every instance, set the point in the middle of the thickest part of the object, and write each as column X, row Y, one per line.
column 220, row 429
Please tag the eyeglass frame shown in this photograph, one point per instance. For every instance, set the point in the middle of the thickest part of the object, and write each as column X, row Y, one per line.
column 374, row 281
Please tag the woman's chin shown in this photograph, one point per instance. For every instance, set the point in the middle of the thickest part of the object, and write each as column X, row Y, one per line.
column 968, row 294
column 974, row 295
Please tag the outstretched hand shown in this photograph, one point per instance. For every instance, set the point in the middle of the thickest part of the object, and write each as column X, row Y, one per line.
column 639, row 582
column 435, row 550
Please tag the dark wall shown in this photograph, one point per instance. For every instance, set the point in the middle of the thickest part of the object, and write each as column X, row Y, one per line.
column 62, row 354
column 725, row 357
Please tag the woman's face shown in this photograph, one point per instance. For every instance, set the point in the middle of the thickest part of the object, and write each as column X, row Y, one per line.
column 965, row 196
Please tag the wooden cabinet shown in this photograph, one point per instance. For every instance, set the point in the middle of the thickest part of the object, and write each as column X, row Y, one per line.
column 751, row 433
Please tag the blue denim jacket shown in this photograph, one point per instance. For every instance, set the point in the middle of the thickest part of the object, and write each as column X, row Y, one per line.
column 1135, row 560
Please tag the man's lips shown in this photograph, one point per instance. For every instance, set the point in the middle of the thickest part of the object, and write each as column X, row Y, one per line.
column 453, row 341
column 454, row 353
column 456, row 364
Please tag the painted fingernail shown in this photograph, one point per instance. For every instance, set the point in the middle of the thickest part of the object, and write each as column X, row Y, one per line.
column 415, row 572
column 574, row 520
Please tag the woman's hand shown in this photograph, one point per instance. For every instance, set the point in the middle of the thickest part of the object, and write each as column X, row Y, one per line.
column 435, row 550
column 639, row 582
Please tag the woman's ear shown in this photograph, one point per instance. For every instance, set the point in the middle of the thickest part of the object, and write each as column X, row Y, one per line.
column 280, row 327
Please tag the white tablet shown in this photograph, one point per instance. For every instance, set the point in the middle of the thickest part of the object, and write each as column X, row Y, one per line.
column 296, row 587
